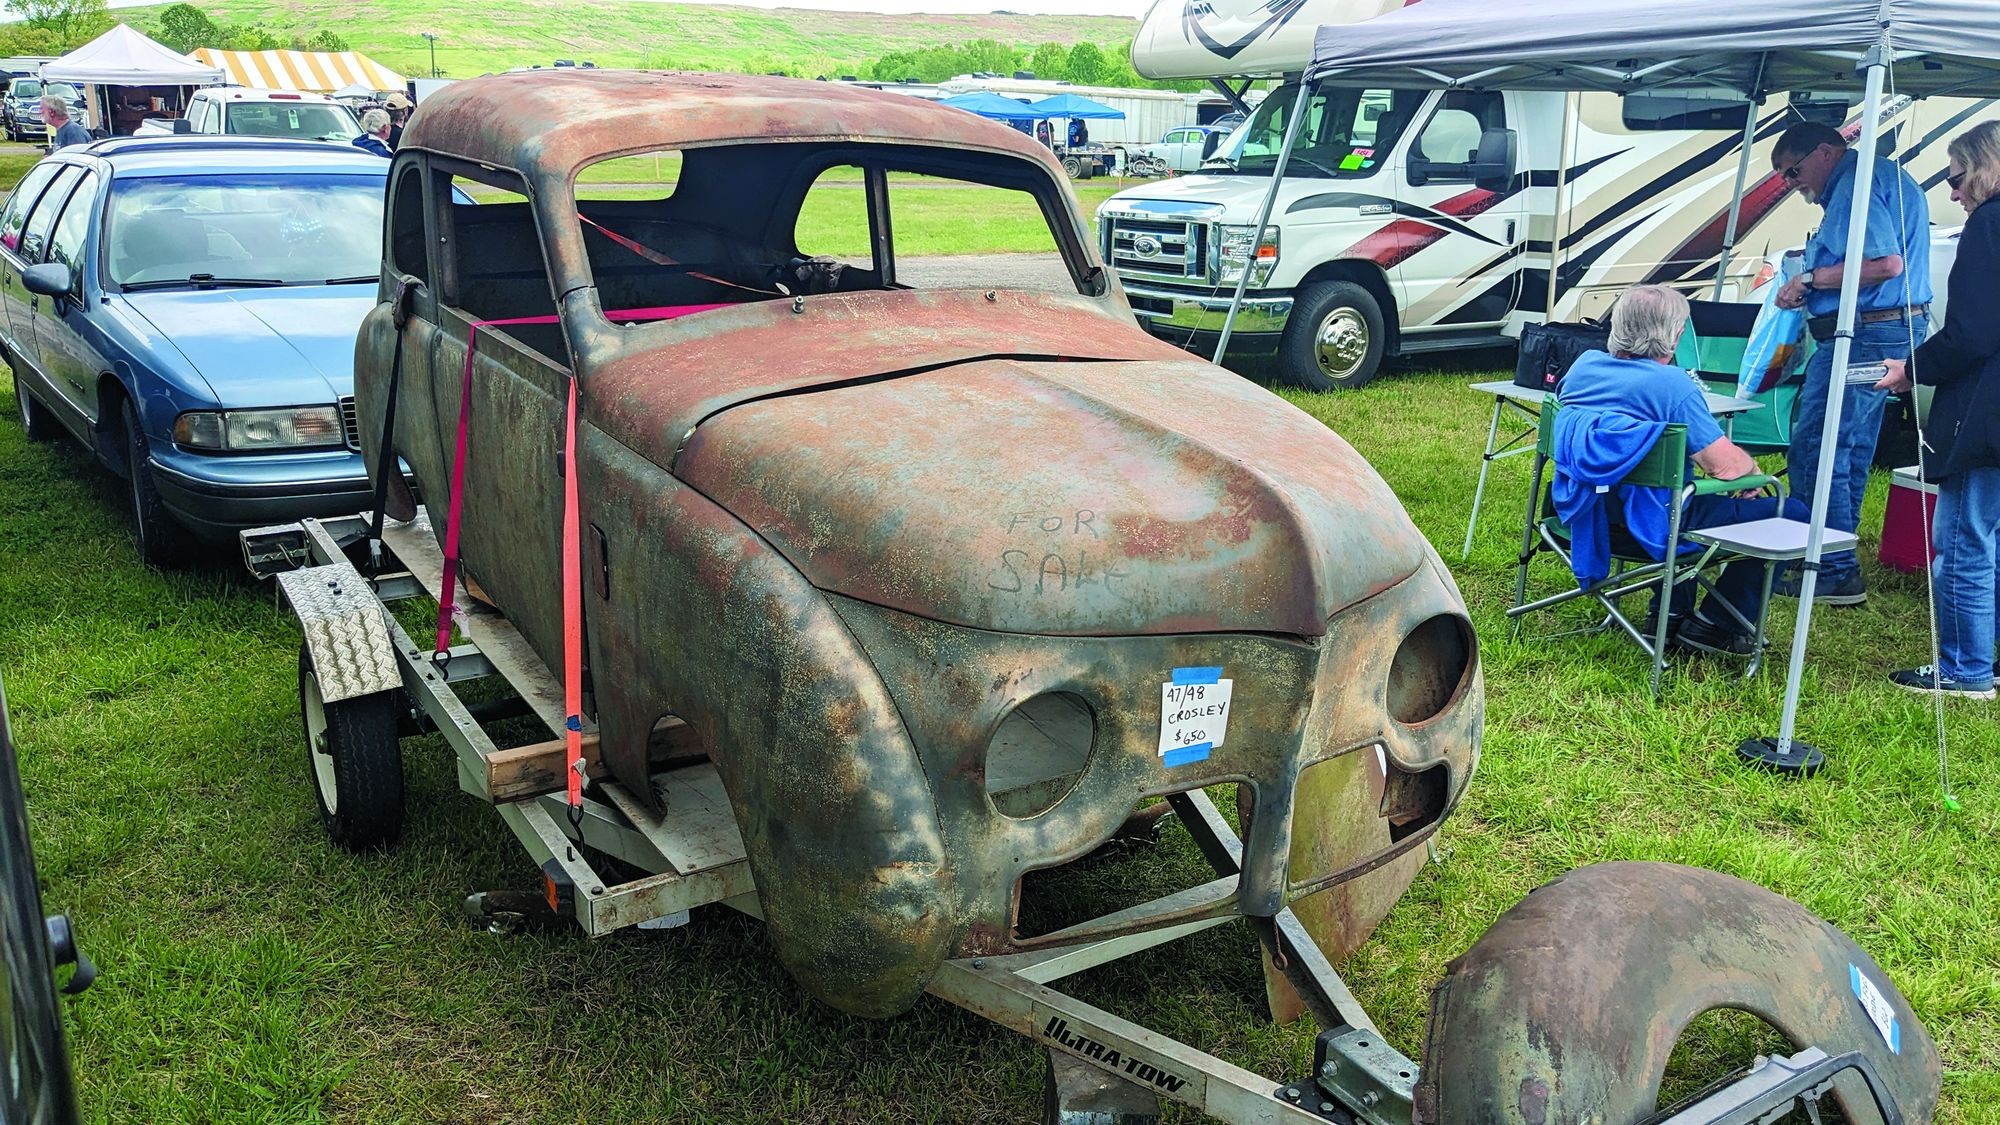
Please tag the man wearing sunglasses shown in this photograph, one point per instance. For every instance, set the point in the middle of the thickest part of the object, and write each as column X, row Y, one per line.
column 1893, row 318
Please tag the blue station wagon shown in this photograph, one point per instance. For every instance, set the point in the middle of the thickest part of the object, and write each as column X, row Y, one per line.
column 186, row 307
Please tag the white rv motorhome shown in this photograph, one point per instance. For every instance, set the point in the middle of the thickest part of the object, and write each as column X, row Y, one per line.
column 1422, row 220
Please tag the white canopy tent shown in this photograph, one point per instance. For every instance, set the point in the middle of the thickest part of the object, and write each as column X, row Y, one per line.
column 1936, row 47
column 124, row 57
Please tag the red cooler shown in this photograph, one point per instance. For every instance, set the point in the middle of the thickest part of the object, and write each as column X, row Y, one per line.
column 1906, row 524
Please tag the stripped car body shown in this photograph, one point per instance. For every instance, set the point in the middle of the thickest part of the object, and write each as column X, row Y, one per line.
column 847, row 530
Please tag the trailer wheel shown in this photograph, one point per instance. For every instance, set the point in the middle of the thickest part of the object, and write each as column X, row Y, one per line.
column 1568, row 1009
column 1072, row 167
column 354, row 761
column 1335, row 337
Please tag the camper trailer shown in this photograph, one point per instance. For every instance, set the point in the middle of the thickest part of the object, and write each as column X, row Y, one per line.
column 1423, row 220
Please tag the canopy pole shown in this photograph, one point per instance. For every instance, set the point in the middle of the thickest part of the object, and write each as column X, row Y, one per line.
column 1292, row 130
column 1754, row 95
column 1877, row 63
column 1736, row 201
column 1561, row 206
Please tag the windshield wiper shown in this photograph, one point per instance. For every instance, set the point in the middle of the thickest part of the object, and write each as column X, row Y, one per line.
column 354, row 280
column 201, row 281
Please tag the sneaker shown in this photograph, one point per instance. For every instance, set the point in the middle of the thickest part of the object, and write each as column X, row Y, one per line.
column 1851, row 591
column 1926, row 681
column 1703, row 636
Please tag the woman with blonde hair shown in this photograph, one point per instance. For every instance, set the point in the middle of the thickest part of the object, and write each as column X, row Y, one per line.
column 1962, row 432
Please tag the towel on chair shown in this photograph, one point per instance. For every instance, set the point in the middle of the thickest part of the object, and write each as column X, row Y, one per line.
column 1594, row 450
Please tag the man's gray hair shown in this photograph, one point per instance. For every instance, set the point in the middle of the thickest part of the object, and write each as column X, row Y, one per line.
column 374, row 121
column 57, row 105
column 1647, row 322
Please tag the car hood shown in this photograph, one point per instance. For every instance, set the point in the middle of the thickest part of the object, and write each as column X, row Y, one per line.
column 1190, row 190
column 288, row 346
column 1081, row 498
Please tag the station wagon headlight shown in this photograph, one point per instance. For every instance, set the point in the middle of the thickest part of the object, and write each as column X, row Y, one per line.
column 1233, row 250
column 254, row 431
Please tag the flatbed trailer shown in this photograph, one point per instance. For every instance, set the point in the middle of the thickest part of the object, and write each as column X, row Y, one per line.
column 1102, row 1069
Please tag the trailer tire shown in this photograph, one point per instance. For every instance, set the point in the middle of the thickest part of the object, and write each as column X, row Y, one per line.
column 1335, row 337
column 354, row 762
column 1569, row 1007
column 1072, row 167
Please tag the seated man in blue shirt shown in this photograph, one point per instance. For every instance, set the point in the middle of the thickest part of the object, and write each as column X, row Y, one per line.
column 1892, row 320
column 1637, row 390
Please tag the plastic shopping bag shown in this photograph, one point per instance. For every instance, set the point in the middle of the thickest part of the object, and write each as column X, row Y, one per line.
column 1774, row 340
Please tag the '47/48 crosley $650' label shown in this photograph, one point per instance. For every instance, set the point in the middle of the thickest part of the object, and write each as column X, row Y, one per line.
column 1194, row 714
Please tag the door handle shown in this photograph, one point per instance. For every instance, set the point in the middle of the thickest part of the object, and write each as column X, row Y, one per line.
column 34, row 304
column 1510, row 232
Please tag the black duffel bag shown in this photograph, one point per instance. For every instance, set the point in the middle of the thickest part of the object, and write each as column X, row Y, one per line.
column 1547, row 350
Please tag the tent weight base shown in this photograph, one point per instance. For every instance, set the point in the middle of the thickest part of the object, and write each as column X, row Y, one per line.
column 1802, row 760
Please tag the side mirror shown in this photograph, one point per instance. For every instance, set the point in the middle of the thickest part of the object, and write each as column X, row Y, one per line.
column 50, row 279
column 182, row 126
column 1493, row 163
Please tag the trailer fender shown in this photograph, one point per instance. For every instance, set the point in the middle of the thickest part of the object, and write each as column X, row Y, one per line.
column 345, row 635
column 1568, row 1008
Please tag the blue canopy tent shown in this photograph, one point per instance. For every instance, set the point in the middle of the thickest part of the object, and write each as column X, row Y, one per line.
column 986, row 103
column 1076, row 106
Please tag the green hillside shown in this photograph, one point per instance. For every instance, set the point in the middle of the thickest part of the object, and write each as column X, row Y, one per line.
column 475, row 37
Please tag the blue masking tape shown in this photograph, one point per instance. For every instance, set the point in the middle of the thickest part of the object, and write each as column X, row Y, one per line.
column 1197, row 675
column 1186, row 754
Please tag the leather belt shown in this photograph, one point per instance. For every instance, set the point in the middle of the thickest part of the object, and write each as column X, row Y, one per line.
column 1823, row 327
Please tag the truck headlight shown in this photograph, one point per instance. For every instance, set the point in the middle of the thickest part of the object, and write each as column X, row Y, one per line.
column 256, row 431
column 1233, row 252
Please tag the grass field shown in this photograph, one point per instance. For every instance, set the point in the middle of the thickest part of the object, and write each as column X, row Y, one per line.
column 253, row 973
column 476, row 38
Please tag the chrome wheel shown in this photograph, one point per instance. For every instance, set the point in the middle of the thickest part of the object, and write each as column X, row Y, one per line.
column 1341, row 343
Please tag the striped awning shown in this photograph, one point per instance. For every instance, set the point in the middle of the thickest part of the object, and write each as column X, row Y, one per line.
column 320, row 72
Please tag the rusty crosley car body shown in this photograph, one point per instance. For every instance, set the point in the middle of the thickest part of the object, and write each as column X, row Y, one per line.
column 922, row 568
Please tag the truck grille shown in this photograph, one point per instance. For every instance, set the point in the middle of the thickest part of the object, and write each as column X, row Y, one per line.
column 1167, row 249
column 350, row 423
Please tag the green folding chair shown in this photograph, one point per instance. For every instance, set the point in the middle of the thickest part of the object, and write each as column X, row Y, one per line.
column 1634, row 571
column 1712, row 347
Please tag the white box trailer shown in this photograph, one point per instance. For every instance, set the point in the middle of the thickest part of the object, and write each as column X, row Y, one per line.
column 1420, row 220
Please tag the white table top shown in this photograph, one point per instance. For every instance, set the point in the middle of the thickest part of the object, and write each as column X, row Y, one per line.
column 1774, row 538
column 1719, row 405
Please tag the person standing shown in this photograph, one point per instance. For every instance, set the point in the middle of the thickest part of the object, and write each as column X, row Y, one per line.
column 374, row 133
column 63, row 132
column 399, row 106
column 1892, row 318
column 1962, row 432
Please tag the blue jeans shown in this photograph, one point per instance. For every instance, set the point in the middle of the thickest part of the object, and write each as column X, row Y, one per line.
column 1860, row 425
column 1742, row 582
column 1964, row 528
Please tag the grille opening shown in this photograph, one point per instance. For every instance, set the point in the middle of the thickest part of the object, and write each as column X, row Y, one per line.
column 350, row 423
column 1037, row 754
column 1430, row 669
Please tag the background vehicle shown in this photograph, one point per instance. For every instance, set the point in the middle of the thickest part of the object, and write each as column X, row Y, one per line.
column 24, row 103
column 35, row 1084
column 186, row 308
column 236, row 111
column 1185, row 149
column 1414, row 221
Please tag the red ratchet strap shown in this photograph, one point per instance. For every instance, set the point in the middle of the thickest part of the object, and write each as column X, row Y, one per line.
column 659, row 259
column 572, row 578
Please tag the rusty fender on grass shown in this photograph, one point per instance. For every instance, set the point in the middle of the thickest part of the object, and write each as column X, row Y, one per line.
column 918, row 567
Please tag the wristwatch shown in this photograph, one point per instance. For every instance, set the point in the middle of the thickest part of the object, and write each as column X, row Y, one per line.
column 1807, row 278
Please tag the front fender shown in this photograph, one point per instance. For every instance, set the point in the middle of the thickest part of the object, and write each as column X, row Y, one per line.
column 700, row 618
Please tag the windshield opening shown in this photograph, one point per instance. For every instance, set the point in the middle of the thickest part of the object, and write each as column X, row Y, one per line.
column 1347, row 132
column 270, row 229
column 304, row 121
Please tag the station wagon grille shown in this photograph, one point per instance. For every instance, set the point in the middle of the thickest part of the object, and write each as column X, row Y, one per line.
column 1167, row 249
column 350, row 423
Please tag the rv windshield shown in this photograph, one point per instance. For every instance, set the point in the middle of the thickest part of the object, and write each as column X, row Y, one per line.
column 1347, row 132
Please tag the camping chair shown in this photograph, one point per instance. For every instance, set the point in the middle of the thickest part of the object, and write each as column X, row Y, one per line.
column 1712, row 348
column 1634, row 571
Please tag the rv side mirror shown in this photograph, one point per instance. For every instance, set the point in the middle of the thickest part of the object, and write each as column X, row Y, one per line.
column 1493, row 163
column 182, row 125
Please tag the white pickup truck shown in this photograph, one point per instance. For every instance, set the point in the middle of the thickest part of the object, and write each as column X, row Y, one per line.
column 240, row 111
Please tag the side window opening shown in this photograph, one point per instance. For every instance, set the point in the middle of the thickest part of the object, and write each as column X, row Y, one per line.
column 496, row 267
column 1464, row 134
column 408, row 245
